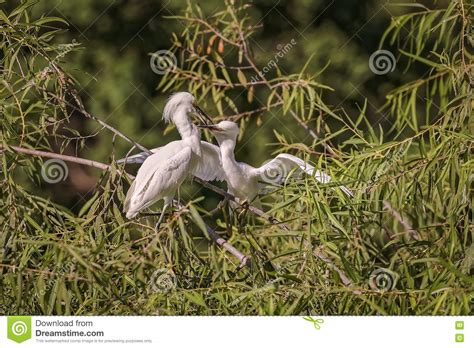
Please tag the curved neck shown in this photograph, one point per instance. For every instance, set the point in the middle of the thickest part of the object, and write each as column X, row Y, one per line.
column 188, row 131
column 183, row 124
column 227, row 147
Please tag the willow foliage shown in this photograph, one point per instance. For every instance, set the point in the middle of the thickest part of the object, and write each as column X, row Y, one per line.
column 404, row 241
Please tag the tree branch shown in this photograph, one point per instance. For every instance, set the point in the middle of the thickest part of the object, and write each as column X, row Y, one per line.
column 66, row 158
column 251, row 208
column 227, row 246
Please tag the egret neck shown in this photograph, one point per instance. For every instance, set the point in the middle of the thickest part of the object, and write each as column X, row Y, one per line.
column 188, row 131
column 227, row 147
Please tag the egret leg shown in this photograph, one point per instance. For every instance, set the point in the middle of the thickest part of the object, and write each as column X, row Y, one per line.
column 243, row 210
column 227, row 211
column 220, row 206
column 157, row 226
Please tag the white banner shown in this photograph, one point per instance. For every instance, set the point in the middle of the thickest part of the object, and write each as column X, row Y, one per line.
column 238, row 332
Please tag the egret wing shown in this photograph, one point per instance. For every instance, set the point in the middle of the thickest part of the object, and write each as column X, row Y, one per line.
column 277, row 169
column 159, row 176
column 138, row 158
column 209, row 167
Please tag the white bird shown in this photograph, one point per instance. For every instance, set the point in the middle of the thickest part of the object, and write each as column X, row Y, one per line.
column 243, row 180
column 162, row 173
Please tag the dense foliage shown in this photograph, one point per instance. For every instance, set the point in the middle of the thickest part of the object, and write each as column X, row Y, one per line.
column 402, row 245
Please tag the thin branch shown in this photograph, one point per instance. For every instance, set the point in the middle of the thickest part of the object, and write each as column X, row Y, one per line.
column 227, row 246
column 236, row 117
column 62, row 157
column 409, row 230
column 319, row 253
column 219, row 83
column 207, row 25
column 80, row 108
column 108, row 167
column 251, row 208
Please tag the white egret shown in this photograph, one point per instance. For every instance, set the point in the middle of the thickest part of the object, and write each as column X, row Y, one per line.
column 164, row 171
column 243, row 180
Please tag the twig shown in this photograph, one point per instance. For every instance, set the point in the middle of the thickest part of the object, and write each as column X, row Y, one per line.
column 227, row 246
column 65, row 81
column 80, row 108
column 251, row 208
column 210, row 27
column 219, row 83
column 319, row 253
column 70, row 276
column 409, row 230
column 62, row 157
column 238, row 116
column 224, row 243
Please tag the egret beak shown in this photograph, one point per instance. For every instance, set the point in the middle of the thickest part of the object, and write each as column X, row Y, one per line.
column 211, row 127
column 202, row 116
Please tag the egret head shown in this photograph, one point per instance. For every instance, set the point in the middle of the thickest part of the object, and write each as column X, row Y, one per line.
column 186, row 102
column 224, row 130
